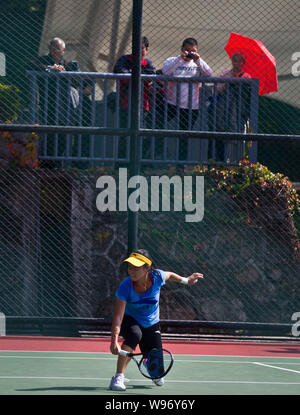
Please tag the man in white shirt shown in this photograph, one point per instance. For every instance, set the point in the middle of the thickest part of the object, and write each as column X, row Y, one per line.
column 187, row 64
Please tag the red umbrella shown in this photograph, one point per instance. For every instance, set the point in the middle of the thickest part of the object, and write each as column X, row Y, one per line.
column 259, row 63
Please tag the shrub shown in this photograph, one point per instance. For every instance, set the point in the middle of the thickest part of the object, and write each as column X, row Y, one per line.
column 10, row 102
column 22, row 147
column 238, row 179
column 268, row 201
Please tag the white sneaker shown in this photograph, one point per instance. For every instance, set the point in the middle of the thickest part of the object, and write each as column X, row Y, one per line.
column 159, row 382
column 117, row 383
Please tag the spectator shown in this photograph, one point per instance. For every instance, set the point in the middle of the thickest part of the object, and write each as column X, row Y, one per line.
column 232, row 109
column 230, row 92
column 124, row 65
column 55, row 110
column 188, row 64
column 236, row 71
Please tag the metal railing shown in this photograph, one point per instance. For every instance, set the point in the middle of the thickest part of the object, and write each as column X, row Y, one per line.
column 60, row 99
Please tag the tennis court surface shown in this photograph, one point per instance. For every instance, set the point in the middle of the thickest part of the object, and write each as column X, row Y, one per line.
column 84, row 366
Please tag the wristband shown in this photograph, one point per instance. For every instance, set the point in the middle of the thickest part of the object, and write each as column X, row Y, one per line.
column 184, row 281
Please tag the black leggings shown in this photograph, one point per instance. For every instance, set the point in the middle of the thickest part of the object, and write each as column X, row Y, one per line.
column 147, row 338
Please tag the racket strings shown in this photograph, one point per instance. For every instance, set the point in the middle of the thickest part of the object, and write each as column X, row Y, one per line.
column 156, row 364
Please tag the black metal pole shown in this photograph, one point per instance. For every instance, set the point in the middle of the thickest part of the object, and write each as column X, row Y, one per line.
column 135, row 139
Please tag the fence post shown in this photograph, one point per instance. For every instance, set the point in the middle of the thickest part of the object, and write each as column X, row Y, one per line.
column 254, row 100
column 135, row 139
column 33, row 97
column 2, row 324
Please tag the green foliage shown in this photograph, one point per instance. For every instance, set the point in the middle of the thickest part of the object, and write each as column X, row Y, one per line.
column 237, row 179
column 10, row 102
column 22, row 5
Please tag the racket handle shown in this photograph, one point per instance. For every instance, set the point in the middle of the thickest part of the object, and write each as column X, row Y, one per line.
column 124, row 353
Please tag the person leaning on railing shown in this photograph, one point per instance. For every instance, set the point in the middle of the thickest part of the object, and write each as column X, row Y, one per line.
column 53, row 101
column 232, row 109
column 124, row 65
column 236, row 71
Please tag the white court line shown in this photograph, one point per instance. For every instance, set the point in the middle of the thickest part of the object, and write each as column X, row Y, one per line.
column 276, row 367
column 175, row 355
column 147, row 380
column 57, row 357
column 114, row 358
column 239, row 356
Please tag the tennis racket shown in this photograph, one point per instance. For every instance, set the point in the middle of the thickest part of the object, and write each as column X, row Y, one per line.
column 153, row 365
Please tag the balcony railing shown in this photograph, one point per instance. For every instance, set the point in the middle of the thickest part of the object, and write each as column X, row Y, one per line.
column 104, row 100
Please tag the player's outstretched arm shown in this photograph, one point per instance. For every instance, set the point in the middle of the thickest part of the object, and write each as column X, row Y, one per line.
column 191, row 280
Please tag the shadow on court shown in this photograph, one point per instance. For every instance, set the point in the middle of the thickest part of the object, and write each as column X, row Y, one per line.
column 285, row 350
column 80, row 389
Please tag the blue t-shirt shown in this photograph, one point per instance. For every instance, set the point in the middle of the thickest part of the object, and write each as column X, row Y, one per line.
column 144, row 308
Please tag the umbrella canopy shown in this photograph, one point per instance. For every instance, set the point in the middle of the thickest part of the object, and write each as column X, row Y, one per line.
column 259, row 63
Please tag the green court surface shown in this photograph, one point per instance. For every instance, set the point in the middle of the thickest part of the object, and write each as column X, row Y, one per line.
column 73, row 373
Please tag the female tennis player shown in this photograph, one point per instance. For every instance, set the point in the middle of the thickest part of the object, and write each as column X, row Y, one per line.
column 136, row 311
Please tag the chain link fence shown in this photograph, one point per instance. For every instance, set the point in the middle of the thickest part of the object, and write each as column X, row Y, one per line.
column 61, row 256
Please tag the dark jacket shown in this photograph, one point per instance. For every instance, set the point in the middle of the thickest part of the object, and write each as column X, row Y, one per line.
column 57, row 101
column 124, row 65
